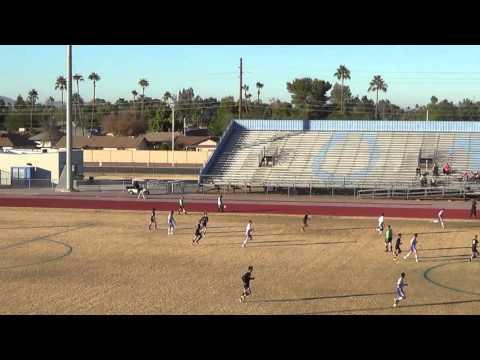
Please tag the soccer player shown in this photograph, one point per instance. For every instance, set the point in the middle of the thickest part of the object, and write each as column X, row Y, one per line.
column 220, row 203
column 398, row 242
column 413, row 248
column 246, row 283
column 248, row 233
column 381, row 221
column 198, row 235
column 141, row 193
column 306, row 217
column 171, row 223
column 473, row 209
column 181, row 206
column 388, row 239
column 440, row 218
column 153, row 220
column 474, row 248
column 400, row 290
column 203, row 222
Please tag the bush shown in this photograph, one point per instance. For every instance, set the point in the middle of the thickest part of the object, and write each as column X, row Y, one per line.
column 124, row 124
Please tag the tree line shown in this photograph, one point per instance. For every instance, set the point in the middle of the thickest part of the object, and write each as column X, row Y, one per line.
column 311, row 98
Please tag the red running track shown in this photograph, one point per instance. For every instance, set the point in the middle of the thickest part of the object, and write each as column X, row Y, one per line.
column 340, row 209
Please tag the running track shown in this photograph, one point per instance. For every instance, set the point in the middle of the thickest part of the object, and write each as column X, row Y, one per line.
column 393, row 210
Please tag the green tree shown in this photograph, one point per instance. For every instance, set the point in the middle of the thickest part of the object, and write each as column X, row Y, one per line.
column 309, row 96
column 342, row 74
column 77, row 78
column 94, row 77
column 259, row 87
column 143, row 83
column 16, row 120
column 339, row 96
column 134, row 93
column 32, row 98
column 377, row 84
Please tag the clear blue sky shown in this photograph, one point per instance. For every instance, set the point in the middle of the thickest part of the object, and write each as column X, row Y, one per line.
column 413, row 73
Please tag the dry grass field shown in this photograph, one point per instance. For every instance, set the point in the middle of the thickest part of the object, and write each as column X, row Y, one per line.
column 107, row 262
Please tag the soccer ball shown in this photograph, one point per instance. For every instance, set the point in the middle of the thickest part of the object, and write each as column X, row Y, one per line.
column 435, row 221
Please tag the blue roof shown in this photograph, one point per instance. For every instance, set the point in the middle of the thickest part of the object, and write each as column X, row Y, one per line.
column 360, row 125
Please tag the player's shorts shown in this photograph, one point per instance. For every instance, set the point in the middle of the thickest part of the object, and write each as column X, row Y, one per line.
column 246, row 289
column 380, row 227
column 400, row 293
column 388, row 240
column 413, row 249
column 474, row 251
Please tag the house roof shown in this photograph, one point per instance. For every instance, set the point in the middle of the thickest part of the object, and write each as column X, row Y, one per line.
column 47, row 136
column 15, row 140
column 190, row 140
column 103, row 142
column 160, row 136
column 198, row 132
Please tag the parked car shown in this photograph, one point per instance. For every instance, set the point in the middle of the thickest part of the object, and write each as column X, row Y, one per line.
column 135, row 189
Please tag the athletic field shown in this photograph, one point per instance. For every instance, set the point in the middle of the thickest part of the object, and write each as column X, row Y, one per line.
column 61, row 261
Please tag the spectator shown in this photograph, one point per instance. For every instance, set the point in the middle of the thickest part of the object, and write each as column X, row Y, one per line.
column 435, row 169
column 417, row 171
column 423, row 179
column 446, row 169
column 433, row 182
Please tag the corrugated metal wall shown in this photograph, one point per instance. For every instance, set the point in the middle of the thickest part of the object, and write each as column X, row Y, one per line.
column 360, row 125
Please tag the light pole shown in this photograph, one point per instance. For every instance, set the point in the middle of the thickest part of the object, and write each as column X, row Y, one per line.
column 68, row 186
column 173, row 132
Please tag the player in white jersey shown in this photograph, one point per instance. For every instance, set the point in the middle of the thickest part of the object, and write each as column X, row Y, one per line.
column 171, row 223
column 440, row 218
column 413, row 248
column 141, row 193
column 399, row 290
column 381, row 222
column 248, row 233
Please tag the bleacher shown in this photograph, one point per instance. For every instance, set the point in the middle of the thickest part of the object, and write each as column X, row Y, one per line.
column 320, row 153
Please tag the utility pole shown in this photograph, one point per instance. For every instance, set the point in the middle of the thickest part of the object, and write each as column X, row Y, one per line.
column 427, row 114
column 184, row 126
column 173, row 133
column 69, row 119
column 241, row 86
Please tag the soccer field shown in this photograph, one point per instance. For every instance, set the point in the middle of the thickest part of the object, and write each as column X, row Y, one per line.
column 107, row 262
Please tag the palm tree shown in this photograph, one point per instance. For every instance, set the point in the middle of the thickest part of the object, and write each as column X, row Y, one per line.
column 78, row 78
column 61, row 84
column 93, row 77
column 377, row 84
column 167, row 96
column 143, row 83
column 134, row 93
column 245, row 89
column 342, row 74
column 32, row 96
column 259, row 86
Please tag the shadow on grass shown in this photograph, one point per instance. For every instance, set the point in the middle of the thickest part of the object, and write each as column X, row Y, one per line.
column 252, row 244
column 322, row 297
column 391, row 308
column 446, row 248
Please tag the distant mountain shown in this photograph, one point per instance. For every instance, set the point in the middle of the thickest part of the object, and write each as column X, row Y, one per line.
column 7, row 100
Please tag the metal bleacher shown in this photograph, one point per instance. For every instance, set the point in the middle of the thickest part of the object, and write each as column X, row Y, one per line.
column 336, row 158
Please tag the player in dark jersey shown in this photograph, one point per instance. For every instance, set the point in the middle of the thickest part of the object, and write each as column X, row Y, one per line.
column 473, row 209
column 197, row 235
column 153, row 220
column 203, row 222
column 246, row 284
column 397, row 251
column 306, row 217
column 474, row 248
